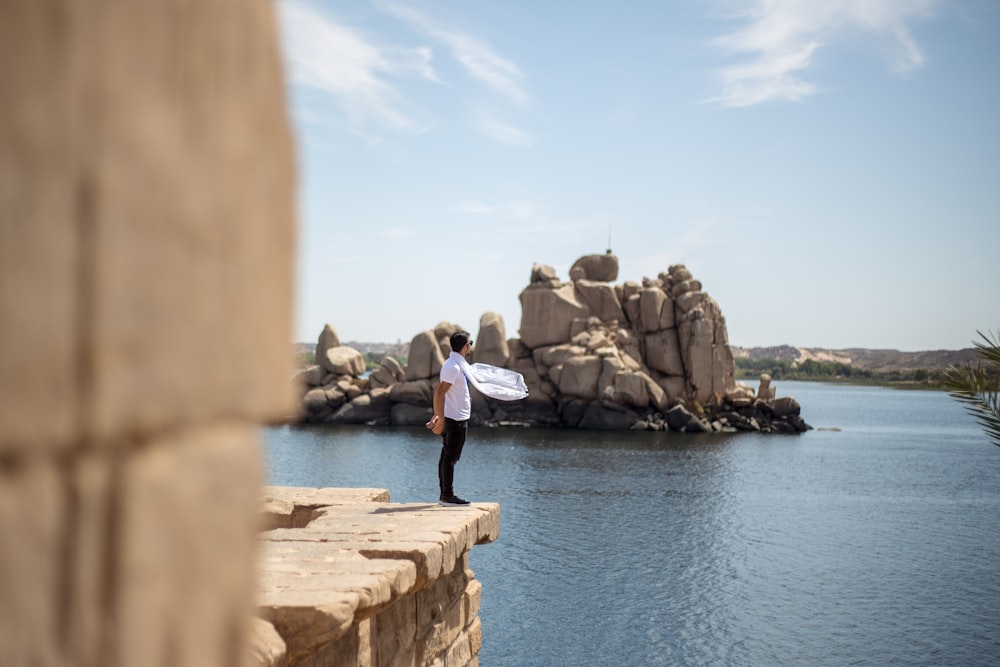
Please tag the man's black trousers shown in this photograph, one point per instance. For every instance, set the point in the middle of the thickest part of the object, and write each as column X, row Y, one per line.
column 453, row 438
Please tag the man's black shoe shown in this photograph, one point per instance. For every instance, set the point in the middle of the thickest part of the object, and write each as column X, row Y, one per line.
column 452, row 501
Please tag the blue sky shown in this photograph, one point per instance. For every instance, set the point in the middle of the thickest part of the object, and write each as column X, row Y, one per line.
column 829, row 169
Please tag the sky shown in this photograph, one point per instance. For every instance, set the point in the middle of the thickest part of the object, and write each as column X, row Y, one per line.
column 828, row 169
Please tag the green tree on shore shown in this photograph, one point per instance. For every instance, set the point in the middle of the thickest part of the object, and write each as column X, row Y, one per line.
column 978, row 388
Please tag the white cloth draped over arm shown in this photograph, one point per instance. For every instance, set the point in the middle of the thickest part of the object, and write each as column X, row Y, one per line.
column 499, row 383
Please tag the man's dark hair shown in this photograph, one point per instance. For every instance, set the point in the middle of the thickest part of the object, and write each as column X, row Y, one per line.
column 460, row 339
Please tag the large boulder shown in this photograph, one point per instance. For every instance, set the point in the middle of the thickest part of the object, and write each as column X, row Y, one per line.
column 579, row 377
column 555, row 355
column 708, row 359
column 603, row 268
column 388, row 373
column 785, row 406
column 631, row 389
column 413, row 392
column 342, row 360
column 491, row 342
column 547, row 314
column 370, row 408
column 425, row 358
column 674, row 386
column 327, row 338
column 602, row 300
column 657, row 310
column 393, row 366
column 663, row 352
column 543, row 275
column 381, row 377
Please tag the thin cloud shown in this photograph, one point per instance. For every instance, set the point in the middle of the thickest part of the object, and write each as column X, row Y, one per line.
column 781, row 37
column 366, row 77
column 342, row 63
column 475, row 55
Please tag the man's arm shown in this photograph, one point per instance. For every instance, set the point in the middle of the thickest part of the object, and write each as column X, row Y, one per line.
column 436, row 424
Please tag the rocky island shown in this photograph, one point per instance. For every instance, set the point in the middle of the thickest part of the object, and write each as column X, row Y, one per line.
column 650, row 355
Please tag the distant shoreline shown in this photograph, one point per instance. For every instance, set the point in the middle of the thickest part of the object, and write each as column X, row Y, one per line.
column 862, row 358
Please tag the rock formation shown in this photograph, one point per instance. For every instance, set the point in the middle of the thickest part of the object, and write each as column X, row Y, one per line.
column 653, row 355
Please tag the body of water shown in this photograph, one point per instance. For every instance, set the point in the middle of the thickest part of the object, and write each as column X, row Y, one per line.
column 877, row 544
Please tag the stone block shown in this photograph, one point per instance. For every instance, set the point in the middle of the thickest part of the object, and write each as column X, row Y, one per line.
column 33, row 521
column 185, row 522
column 473, row 598
column 459, row 653
column 41, row 238
column 394, row 631
column 475, row 633
column 267, row 648
column 437, row 640
column 148, row 213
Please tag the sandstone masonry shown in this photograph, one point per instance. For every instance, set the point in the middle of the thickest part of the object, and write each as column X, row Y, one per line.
column 348, row 579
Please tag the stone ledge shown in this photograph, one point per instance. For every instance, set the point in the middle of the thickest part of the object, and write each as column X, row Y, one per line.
column 353, row 555
column 293, row 506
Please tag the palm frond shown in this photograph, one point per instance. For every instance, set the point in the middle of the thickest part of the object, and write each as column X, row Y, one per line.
column 978, row 388
column 989, row 349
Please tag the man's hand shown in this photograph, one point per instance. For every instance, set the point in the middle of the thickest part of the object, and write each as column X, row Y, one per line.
column 436, row 425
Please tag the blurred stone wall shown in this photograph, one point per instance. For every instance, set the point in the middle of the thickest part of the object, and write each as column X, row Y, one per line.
column 146, row 238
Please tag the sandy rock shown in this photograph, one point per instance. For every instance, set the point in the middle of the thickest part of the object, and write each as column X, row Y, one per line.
column 602, row 300
column 371, row 408
column 675, row 386
column 651, row 304
column 413, row 392
column 579, row 377
column 663, row 352
column 631, row 389
column 602, row 268
column 328, row 338
column 785, row 406
column 393, row 367
column 425, row 358
column 491, row 342
column 343, row 360
column 546, row 314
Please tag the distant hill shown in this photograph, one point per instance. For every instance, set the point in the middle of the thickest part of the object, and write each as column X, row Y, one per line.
column 873, row 360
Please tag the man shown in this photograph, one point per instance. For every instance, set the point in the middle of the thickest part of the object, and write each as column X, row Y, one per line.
column 452, row 409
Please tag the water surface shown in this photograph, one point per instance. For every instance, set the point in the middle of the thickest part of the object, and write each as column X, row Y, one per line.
column 873, row 545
